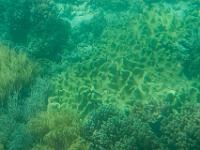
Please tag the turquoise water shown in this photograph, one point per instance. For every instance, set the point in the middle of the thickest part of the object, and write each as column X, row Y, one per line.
column 99, row 75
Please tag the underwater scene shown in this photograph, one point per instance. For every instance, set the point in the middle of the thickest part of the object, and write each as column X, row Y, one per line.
column 100, row 75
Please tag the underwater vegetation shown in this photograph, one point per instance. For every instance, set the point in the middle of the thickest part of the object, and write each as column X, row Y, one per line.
column 58, row 128
column 99, row 75
column 16, row 72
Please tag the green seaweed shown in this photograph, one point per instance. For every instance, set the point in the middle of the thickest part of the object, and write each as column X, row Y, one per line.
column 16, row 72
column 58, row 128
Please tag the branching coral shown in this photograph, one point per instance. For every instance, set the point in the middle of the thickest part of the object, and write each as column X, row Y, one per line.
column 181, row 129
column 110, row 129
column 137, row 60
column 130, row 91
column 137, row 67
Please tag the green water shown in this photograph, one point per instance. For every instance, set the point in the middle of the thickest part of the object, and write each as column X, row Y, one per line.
column 99, row 75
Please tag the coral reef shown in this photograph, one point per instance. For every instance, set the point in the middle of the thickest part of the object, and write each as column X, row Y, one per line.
column 7, row 125
column 109, row 128
column 19, row 139
column 181, row 129
column 58, row 128
column 37, row 100
column 18, row 20
column 137, row 62
column 16, row 72
column 112, row 5
column 49, row 33
column 192, row 60
column 39, row 26
column 110, row 75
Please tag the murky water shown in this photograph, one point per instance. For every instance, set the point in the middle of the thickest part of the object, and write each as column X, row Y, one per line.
column 99, row 75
